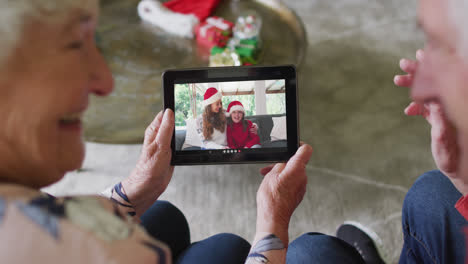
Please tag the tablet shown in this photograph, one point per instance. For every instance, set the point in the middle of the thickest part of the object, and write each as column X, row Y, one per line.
column 226, row 115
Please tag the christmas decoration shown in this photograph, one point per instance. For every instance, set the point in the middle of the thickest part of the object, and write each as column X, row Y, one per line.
column 224, row 57
column 215, row 31
column 178, row 17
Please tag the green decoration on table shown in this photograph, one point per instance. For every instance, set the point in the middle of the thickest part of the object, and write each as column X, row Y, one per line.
column 217, row 50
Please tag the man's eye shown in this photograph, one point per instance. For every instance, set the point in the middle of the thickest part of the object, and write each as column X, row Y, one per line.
column 75, row 45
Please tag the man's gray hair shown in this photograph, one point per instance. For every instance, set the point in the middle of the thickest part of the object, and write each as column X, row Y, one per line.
column 15, row 13
column 458, row 14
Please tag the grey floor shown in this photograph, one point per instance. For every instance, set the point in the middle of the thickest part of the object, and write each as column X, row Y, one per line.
column 367, row 153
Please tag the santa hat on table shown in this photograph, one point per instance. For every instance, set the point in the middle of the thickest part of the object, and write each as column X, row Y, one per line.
column 211, row 95
column 235, row 106
column 200, row 8
column 178, row 17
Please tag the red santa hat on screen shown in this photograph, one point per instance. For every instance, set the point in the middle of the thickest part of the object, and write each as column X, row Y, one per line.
column 235, row 106
column 211, row 95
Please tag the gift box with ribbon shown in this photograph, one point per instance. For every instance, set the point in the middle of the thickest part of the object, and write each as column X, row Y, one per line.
column 215, row 31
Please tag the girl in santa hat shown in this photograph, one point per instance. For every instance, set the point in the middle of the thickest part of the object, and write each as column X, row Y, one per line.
column 211, row 126
column 239, row 133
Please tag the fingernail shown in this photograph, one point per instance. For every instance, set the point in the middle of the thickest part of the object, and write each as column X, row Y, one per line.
column 406, row 110
column 420, row 54
column 168, row 113
column 402, row 61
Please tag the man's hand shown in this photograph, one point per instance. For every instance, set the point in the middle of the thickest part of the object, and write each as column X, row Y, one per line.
column 444, row 145
column 443, row 136
column 281, row 191
column 153, row 171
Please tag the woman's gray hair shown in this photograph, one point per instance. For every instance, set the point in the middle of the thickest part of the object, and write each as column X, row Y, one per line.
column 15, row 13
column 458, row 14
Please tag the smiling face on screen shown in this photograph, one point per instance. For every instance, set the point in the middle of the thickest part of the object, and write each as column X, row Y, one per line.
column 216, row 106
column 237, row 116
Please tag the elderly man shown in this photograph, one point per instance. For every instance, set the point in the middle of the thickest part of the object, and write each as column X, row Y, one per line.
column 435, row 210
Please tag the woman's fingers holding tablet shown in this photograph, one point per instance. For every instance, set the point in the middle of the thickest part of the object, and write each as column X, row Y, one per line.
column 164, row 135
column 267, row 169
column 298, row 162
column 152, row 130
column 153, row 171
column 281, row 191
column 264, row 171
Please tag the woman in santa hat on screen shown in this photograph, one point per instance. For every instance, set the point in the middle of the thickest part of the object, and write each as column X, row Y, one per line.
column 212, row 124
column 239, row 133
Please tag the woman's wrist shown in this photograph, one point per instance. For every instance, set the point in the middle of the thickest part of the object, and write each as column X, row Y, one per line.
column 139, row 197
column 265, row 228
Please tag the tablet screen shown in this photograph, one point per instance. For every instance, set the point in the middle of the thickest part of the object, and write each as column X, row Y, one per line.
column 233, row 114
column 231, row 117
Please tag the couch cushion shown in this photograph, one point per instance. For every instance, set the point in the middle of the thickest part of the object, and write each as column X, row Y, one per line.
column 265, row 125
column 279, row 129
column 192, row 138
column 180, row 139
column 276, row 144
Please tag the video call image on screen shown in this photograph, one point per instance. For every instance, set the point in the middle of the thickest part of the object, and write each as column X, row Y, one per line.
column 230, row 115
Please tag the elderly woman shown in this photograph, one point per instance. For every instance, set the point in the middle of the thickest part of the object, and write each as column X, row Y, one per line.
column 49, row 65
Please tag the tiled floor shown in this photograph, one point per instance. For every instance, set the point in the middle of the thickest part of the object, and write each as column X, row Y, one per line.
column 367, row 153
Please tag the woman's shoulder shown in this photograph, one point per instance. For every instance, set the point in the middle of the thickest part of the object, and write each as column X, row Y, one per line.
column 85, row 224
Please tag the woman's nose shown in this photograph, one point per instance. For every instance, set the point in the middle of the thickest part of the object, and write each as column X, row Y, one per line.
column 102, row 82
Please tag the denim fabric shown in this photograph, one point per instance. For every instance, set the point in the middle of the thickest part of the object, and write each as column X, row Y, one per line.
column 320, row 248
column 221, row 248
column 166, row 223
column 432, row 230
column 432, row 227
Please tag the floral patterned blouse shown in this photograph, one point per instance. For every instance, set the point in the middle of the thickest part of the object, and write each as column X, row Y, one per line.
column 38, row 228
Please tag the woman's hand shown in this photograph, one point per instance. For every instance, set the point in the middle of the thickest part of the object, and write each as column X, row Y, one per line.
column 153, row 171
column 254, row 129
column 281, row 191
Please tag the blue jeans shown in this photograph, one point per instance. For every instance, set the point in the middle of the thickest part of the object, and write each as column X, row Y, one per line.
column 432, row 230
column 167, row 224
column 432, row 227
column 320, row 248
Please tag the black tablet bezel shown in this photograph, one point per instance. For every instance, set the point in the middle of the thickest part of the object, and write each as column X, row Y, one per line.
column 229, row 74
